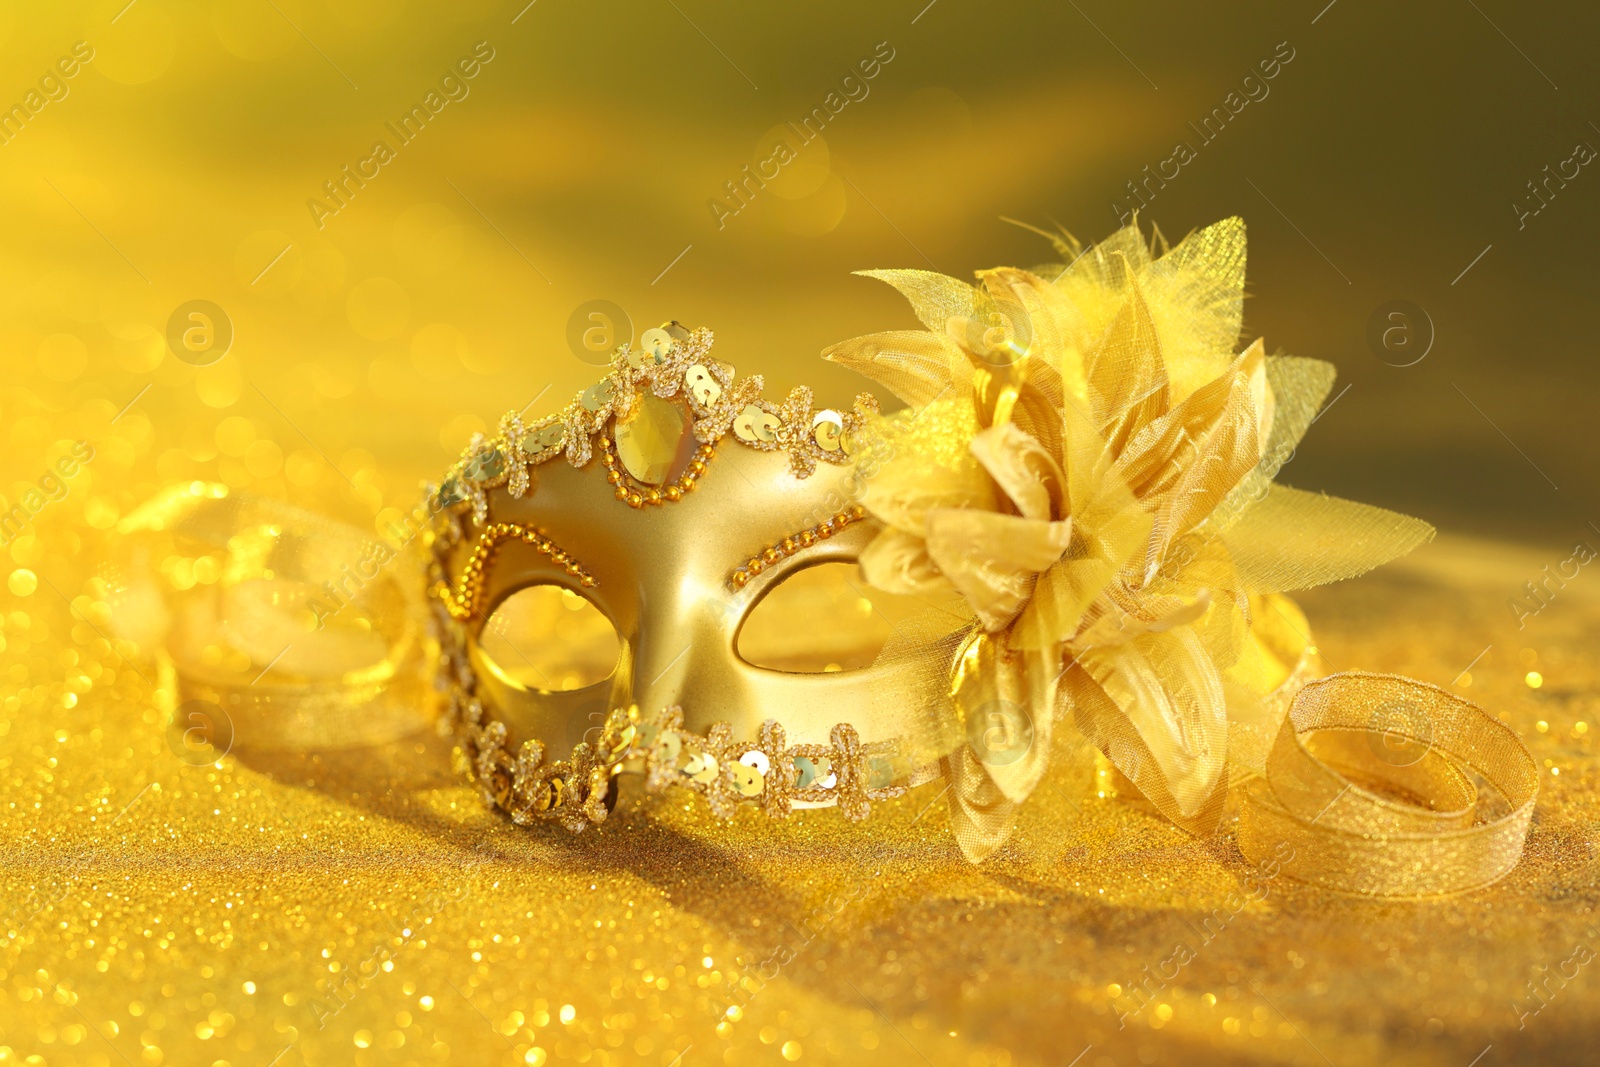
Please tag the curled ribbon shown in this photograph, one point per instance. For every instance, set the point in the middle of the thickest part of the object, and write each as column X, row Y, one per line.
column 1384, row 786
column 284, row 628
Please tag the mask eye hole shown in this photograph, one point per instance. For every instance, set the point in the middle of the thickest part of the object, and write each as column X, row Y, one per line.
column 820, row 620
column 550, row 639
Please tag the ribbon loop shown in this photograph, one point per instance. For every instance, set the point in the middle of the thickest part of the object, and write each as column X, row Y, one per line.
column 1389, row 787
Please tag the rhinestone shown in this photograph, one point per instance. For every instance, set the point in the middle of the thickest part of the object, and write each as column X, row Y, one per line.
column 647, row 442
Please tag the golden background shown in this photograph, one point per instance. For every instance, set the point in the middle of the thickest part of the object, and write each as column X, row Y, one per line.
column 158, row 912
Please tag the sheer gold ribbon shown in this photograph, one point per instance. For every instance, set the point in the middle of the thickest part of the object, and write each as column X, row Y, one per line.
column 272, row 627
column 1388, row 787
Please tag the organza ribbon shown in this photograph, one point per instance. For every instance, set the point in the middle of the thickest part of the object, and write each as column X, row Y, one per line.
column 272, row 627
column 1388, row 787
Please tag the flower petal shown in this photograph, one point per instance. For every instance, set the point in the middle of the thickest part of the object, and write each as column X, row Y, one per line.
column 1156, row 707
column 898, row 562
column 935, row 298
column 1023, row 469
column 916, row 366
column 993, row 559
column 1291, row 539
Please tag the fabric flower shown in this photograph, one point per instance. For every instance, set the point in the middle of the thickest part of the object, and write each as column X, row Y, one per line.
column 1088, row 465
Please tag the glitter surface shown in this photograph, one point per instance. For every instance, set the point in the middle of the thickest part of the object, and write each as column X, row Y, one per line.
column 363, row 907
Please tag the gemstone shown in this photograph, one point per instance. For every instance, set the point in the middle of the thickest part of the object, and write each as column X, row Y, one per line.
column 647, row 443
column 486, row 465
column 451, row 493
column 598, row 396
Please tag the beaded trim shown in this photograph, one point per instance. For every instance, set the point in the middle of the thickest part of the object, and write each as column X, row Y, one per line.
column 670, row 362
column 466, row 598
column 768, row 772
column 741, row 575
column 576, row 792
column 641, row 496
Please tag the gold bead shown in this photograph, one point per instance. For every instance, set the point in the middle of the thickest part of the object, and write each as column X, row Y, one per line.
column 740, row 577
column 673, row 493
column 605, row 443
column 614, row 476
column 841, row 520
column 697, row 467
column 622, row 492
column 635, row 500
column 651, row 496
column 756, row 564
column 807, row 539
column 858, row 512
column 790, row 544
column 771, row 555
column 825, row 530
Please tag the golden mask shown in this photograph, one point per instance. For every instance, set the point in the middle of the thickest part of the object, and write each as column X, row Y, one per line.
column 605, row 583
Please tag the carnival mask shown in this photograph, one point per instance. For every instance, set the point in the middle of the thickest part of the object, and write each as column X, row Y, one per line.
column 681, row 530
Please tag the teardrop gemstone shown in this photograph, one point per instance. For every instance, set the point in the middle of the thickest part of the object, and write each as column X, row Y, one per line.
column 647, row 443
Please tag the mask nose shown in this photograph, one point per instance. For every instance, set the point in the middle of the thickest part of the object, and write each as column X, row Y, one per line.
column 683, row 646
